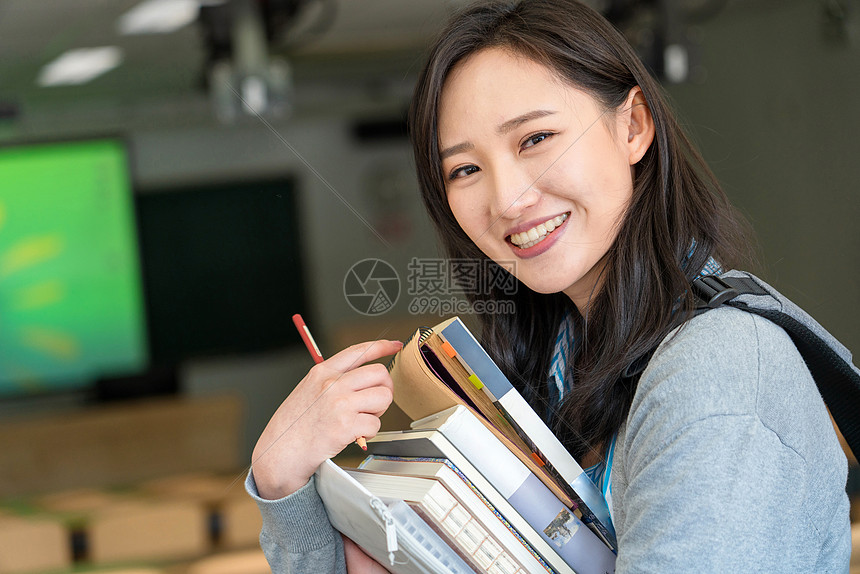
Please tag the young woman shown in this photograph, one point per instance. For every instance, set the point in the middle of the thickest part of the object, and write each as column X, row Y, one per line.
column 543, row 145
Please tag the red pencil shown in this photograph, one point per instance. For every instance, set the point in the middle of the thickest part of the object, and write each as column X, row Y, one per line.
column 305, row 334
column 311, row 345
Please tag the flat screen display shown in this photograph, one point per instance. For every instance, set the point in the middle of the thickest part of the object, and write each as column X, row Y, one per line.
column 71, row 306
column 222, row 267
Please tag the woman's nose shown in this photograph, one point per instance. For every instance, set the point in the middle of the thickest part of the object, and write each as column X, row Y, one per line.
column 513, row 193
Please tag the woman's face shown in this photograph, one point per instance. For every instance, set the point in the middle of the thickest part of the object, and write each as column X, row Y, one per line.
column 537, row 174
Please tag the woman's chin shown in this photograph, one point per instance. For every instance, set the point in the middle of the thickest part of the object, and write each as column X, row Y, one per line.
column 544, row 286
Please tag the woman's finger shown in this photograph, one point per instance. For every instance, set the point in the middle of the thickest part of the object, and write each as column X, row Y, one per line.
column 356, row 355
column 366, row 426
column 365, row 377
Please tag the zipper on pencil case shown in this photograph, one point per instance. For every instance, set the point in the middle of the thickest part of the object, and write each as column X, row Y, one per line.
column 390, row 528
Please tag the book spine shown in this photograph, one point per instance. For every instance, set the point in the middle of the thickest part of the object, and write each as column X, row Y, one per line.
column 530, row 427
column 559, row 461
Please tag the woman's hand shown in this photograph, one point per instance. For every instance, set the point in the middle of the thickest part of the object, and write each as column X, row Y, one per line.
column 338, row 401
column 357, row 562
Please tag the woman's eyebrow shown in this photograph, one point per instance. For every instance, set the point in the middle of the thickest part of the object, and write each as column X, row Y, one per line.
column 455, row 149
column 503, row 128
column 513, row 123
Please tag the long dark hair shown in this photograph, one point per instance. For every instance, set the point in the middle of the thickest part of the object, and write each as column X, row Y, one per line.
column 676, row 204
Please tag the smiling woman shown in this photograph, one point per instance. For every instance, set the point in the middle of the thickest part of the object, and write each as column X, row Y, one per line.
column 545, row 150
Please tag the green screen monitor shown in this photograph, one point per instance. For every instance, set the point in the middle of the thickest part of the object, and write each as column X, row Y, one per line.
column 71, row 303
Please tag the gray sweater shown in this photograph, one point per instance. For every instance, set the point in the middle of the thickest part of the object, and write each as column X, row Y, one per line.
column 727, row 462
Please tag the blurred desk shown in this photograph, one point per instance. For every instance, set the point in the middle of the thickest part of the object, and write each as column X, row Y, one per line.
column 119, row 444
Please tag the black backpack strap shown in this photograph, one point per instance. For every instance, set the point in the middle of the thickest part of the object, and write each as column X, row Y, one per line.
column 713, row 291
column 837, row 380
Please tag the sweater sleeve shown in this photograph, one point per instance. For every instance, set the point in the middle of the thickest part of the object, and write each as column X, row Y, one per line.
column 297, row 536
column 728, row 461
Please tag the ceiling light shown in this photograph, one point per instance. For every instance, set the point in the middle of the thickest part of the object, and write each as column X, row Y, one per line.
column 80, row 66
column 159, row 16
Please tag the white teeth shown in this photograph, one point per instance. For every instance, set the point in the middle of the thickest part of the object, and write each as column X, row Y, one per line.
column 530, row 244
column 536, row 234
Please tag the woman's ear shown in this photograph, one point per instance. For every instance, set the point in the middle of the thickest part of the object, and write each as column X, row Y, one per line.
column 638, row 123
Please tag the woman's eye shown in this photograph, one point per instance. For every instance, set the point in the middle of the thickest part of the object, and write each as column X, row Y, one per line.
column 462, row 171
column 535, row 139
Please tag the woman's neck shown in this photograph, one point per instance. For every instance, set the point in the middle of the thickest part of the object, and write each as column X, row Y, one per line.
column 592, row 457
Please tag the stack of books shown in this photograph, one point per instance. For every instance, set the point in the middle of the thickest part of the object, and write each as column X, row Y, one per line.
column 478, row 483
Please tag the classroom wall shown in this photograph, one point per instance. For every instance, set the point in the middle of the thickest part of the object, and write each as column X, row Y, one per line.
column 774, row 118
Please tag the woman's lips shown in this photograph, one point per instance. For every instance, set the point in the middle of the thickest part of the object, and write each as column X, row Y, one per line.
column 544, row 240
